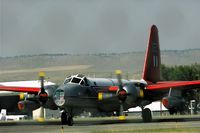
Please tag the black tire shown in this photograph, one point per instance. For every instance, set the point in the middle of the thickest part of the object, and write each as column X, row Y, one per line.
column 172, row 111
column 64, row 120
column 70, row 121
column 146, row 115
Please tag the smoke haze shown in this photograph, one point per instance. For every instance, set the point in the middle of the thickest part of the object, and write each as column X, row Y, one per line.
column 95, row 26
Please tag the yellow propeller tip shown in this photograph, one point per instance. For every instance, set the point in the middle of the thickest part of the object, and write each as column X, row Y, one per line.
column 42, row 74
column 118, row 72
column 21, row 96
column 122, row 118
column 40, row 119
column 141, row 93
column 100, row 96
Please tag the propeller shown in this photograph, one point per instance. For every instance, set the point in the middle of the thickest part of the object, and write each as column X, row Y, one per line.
column 43, row 96
column 121, row 94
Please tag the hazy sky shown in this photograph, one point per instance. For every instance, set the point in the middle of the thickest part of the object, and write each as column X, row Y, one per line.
column 95, row 26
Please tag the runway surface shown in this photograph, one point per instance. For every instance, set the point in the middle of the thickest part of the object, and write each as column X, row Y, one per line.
column 96, row 125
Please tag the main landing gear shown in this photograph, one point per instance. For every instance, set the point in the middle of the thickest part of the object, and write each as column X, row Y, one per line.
column 67, row 119
column 146, row 115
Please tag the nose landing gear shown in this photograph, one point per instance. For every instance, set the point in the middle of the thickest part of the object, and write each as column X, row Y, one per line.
column 67, row 119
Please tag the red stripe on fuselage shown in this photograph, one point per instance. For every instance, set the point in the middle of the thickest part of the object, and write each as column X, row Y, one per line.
column 106, row 88
column 113, row 88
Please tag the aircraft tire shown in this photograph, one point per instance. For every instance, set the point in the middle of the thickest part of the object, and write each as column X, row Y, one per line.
column 70, row 121
column 172, row 111
column 146, row 115
column 64, row 119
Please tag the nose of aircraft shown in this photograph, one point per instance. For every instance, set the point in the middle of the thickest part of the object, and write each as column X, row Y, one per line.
column 64, row 93
column 59, row 96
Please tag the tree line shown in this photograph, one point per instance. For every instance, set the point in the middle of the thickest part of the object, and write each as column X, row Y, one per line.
column 182, row 72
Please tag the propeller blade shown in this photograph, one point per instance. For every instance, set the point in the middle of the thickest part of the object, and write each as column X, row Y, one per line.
column 43, row 96
column 119, row 78
column 41, row 76
column 41, row 117
column 121, row 111
column 121, row 94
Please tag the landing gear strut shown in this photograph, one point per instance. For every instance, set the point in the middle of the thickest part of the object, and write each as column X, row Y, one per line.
column 172, row 111
column 67, row 119
column 146, row 115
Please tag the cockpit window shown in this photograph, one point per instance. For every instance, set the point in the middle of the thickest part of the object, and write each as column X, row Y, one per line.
column 82, row 82
column 67, row 80
column 75, row 80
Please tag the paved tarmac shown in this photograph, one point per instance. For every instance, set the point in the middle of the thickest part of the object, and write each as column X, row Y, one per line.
column 96, row 125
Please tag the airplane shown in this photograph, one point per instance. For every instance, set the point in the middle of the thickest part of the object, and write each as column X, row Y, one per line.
column 79, row 93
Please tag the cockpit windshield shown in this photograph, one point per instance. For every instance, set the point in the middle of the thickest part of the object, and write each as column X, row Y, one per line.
column 67, row 80
column 76, row 79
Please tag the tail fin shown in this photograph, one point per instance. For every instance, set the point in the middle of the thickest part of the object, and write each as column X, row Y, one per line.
column 151, row 69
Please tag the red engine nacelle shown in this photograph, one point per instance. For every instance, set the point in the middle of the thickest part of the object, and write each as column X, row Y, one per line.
column 174, row 103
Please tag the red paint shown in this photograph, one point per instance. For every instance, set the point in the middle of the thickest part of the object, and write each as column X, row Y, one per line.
column 151, row 71
column 123, row 92
column 173, row 84
column 43, row 95
column 20, row 106
column 165, row 102
column 20, row 89
column 113, row 88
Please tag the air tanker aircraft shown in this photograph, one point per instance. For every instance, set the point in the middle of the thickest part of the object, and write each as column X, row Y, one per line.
column 78, row 92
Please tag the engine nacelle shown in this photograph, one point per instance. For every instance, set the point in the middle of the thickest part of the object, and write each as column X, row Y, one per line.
column 174, row 102
column 27, row 106
column 133, row 93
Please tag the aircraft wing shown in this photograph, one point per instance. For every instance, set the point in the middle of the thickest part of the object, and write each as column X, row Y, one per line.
column 32, row 87
column 33, row 90
column 174, row 84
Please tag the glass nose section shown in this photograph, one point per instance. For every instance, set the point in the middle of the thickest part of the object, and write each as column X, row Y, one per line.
column 59, row 97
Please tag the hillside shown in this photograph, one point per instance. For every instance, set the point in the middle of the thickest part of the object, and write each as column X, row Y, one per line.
column 58, row 66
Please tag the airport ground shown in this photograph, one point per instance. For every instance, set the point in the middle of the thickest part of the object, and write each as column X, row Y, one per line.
column 167, row 124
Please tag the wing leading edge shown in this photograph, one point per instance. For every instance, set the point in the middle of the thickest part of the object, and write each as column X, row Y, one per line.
column 174, row 84
column 32, row 87
column 34, row 90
